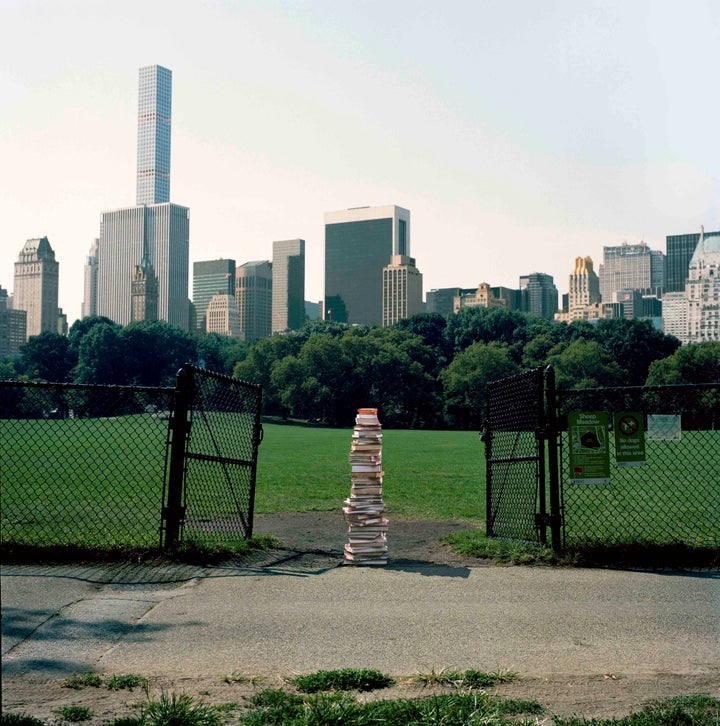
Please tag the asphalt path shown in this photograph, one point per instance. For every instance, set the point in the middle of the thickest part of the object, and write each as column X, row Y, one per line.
column 185, row 621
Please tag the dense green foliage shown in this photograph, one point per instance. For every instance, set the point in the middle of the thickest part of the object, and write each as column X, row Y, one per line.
column 428, row 371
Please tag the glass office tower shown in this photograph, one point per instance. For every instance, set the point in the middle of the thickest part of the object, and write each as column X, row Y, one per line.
column 359, row 243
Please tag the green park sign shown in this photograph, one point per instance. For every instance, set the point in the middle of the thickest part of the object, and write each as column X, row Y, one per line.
column 629, row 438
column 589, row 452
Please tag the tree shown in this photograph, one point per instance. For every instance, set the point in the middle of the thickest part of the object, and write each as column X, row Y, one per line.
column 154, row 352
column 101, row 357
column 47, row 357
column 465, row 380
column 219, row 353
column 485, row 325
column 431, row 328
column 698, row 363
column 634, row 345
column 584, row 364
column 257, row 366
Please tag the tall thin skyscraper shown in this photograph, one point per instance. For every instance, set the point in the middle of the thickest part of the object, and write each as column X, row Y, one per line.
column 359, row 243
column 36, row 286
column 153, row 141
column 156, row 231
column 89, row 303
column 288, row 285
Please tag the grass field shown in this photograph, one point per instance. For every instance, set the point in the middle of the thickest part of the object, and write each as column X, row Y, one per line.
column 99, row 482
column 428, row 474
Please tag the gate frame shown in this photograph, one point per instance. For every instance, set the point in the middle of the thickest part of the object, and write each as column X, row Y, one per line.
column 548, row 487
column 177, row 454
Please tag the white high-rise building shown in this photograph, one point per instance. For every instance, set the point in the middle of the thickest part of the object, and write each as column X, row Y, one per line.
column 675, row 315
column 702, row 291
column 156, row 231
column 222, row 316
column 153, row 141
column 89, row 303
column 402, row 290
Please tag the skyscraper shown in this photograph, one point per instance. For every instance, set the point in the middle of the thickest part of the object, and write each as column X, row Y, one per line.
column 631, row 267
column 222, row 316
column 211, row 277
column 153, row 141
column 539, row 294
column 89, row 303
column 703, row 291
column 36, row 286
column 288, row 285
column 159, row 233
column 253, row 292
column 679, row 249
column 12, row 326
column 584, row 288
column 155, row 231
column 401, row 290
column 358, row 245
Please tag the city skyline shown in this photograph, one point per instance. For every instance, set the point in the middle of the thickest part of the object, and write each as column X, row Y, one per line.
column 596, row 125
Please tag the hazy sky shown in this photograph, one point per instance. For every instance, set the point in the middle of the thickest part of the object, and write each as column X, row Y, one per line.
column 519, row 133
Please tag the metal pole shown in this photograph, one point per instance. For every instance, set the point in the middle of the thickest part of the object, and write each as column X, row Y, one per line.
column 553, row 464
column 173, row 512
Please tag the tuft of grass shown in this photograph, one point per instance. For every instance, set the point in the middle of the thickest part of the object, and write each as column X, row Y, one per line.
column 74, row 714
column 346, row 679
column 19, row 719
column 126, row 681
column 78, row 681
column 173, row 709
column 464, row 679
column 697, row 710
column 274, row 706
column 474, row 543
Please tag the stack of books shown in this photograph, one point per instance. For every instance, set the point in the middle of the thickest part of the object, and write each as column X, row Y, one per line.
column 364, row 510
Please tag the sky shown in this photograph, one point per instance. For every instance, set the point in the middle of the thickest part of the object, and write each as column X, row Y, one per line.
column 520, row 134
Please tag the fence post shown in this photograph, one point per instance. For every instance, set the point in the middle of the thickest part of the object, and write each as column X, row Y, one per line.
column 553, row 464
column 174, row 512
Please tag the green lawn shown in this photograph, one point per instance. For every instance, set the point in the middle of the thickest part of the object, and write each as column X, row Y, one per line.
column 428, row 474
column 99, row 482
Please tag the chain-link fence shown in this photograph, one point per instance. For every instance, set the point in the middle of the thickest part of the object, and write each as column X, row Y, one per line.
column 82, row 465
column 514, row 456
column 657, row 478
column 624, row 467
column 128, row 467
column 220, row 457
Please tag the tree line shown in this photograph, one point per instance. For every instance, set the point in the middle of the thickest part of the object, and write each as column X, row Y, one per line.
column 427, row 371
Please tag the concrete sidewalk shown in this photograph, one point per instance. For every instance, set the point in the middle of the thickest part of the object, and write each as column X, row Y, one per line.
column 399, row 619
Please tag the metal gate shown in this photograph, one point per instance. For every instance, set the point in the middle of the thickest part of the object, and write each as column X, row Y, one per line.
column 213, row 443
column 514, row 433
